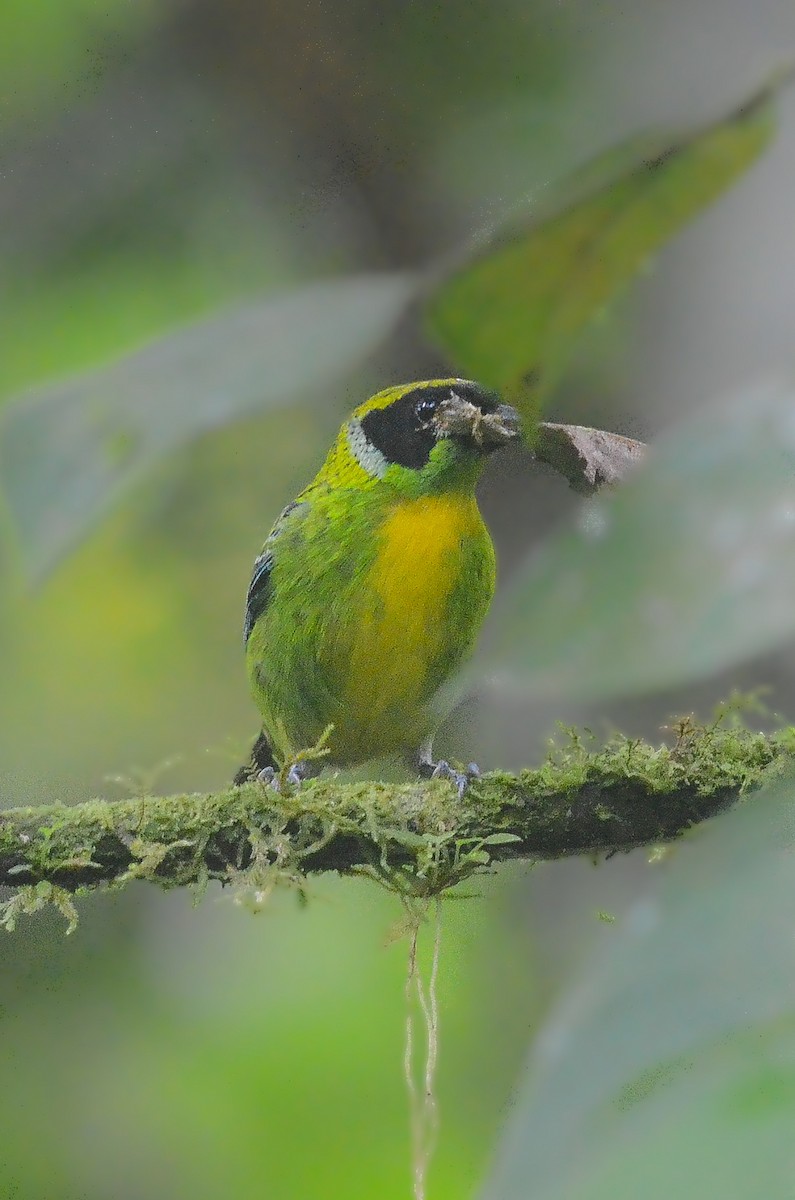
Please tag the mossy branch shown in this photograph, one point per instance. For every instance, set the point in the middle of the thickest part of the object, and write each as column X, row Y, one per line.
column 417, row 838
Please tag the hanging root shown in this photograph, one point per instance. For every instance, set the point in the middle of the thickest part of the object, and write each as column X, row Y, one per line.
column 423, row 1104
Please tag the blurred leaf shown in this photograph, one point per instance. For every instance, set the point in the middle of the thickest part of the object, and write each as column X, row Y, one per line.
column 588, row 458
column 670, row 1066
column 67, row 452
column 52, row 49
column 688, row 568
column 510, row 316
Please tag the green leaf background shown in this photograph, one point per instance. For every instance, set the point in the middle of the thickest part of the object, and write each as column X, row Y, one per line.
column 690, row 565
column 512, row 315
column 669, row 1065
column 92, row 437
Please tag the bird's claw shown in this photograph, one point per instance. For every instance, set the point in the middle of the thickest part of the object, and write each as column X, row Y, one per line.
column 297, row 773
column 461, row 779
column 269, row 776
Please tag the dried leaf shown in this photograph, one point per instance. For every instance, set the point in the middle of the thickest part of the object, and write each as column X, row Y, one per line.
column 588, row 458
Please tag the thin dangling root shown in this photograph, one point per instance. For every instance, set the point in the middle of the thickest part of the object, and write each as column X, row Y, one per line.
column 423, row 1104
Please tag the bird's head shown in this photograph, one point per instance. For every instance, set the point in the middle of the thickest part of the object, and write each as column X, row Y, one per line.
column 427, row 436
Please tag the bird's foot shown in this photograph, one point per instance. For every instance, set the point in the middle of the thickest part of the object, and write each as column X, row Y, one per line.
column 424, row 764
column 442, row 770
column 297, row 773
column 269, row 776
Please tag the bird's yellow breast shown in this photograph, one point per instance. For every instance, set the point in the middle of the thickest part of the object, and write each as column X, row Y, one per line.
column 403, row 624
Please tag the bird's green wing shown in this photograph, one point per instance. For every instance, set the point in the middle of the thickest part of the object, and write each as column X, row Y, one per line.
column 259, row 590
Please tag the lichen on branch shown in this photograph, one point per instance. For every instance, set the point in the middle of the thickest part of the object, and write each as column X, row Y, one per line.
column 416, row 838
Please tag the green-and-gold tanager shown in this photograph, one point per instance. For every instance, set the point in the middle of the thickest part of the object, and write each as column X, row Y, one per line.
column 373, row 583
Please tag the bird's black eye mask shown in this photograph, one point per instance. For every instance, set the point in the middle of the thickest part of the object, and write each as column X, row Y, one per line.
column 404, row 431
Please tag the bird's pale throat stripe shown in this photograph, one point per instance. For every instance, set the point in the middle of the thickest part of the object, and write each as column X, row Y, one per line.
column 368, row 456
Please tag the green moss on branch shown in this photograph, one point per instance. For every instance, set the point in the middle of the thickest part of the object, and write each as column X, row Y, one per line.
column 417, row 837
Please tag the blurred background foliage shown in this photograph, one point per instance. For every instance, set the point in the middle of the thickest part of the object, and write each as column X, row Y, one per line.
column 164, row 162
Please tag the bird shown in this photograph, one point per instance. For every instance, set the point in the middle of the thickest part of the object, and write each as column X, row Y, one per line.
column 373, row 583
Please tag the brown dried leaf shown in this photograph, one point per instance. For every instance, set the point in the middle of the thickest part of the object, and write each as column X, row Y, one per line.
column 588, row 458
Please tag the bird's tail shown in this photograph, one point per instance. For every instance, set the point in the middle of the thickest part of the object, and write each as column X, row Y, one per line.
column 261, row 756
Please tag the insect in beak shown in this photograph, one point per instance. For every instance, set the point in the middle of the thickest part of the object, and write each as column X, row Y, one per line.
column 458, row 417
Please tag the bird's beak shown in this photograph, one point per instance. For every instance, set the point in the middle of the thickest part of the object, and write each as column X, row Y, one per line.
column 498, row 427
column 457, row 417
